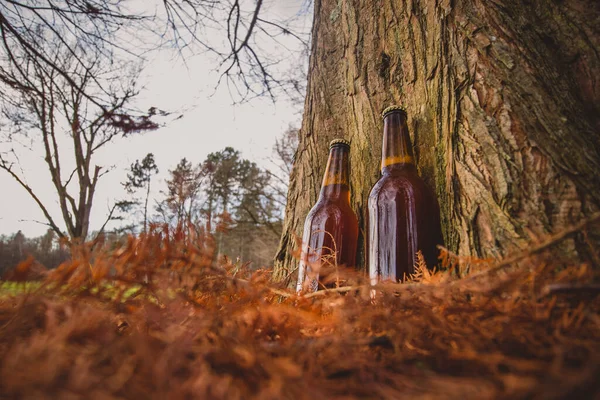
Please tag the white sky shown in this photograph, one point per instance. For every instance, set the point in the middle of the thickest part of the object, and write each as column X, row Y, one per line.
column 210, row 124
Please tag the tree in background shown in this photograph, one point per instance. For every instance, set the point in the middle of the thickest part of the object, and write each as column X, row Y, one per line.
column 255, row 200
column 236, row 191
column 257, row 217
column 223, row 169
column 18, row 242
column 140, row 177
column 233, row 198
column 17, row 248
column 180, row 207
column 47, row 241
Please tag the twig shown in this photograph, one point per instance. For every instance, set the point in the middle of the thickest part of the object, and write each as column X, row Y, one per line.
column 289, row 274
column 281, row 293
column 384, row 287
column 589, row 288
column 342, row 289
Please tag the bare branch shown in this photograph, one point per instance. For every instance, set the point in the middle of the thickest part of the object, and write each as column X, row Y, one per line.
column 8, row 168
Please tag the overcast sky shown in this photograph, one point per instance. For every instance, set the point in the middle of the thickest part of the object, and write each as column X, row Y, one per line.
column 209, row 124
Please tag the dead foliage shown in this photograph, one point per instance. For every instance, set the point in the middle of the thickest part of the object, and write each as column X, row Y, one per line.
column 156, row 319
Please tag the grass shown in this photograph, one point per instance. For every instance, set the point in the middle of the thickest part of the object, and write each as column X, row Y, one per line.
column 110, row 290
column 8, row 288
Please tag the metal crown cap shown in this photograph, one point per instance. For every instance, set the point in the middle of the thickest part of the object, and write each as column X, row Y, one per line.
column 393, row 108
column 339, row 141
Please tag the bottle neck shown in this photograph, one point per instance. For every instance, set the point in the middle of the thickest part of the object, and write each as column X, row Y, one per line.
column 397, row 149
column 336, row 181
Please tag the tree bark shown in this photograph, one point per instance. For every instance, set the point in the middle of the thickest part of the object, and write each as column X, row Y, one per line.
column 503, row 101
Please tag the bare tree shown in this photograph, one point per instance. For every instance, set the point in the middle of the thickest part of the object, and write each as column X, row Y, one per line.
column 284, row 155
column 69, row 122
column 31, row 31
column 247, row 59
column 285, row 150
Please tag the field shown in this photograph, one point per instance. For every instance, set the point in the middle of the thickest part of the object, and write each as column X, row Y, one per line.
column 156, row 319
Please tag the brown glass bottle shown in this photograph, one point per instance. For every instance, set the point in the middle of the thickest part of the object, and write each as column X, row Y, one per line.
column 404, row 215
column 331, row 227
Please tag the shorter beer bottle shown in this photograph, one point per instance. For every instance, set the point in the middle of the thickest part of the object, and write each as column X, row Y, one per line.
column 404, row 215
column 331, row 228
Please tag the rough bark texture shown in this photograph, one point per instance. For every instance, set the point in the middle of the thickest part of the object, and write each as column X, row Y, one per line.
column 503, row 99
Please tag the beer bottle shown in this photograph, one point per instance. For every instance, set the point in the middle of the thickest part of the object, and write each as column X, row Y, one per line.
column 404, row 215
column 331, row 228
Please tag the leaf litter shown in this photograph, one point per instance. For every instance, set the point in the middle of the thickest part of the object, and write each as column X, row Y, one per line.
column 154, row 318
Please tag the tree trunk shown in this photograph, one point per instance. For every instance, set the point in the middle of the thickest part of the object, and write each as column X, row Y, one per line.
column 503, row 101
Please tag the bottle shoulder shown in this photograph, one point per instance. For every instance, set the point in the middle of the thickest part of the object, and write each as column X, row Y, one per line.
column 325, row 209
column 398, row 181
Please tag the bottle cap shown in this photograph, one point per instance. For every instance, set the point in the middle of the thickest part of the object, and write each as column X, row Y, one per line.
column 391, row 109
column 339, row 141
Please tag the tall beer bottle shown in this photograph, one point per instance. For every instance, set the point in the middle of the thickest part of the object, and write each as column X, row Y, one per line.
column 331, row 228
column 404, row 215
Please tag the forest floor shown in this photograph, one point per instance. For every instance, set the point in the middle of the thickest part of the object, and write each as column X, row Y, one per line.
column 154, row 319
